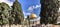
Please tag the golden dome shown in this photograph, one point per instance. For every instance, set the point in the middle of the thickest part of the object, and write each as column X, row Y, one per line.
column 32, row 16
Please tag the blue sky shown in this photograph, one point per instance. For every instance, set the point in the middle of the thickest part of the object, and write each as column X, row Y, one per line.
column 28, row 6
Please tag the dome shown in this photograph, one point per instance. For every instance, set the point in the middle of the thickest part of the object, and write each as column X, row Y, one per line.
column 32, row 16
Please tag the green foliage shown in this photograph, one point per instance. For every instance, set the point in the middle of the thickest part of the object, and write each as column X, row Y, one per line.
column 17, row 13
column 5, row 21
column 11, row 20
column 49, row 11
column 0, row 22
column 11, row 15
column 4, row 10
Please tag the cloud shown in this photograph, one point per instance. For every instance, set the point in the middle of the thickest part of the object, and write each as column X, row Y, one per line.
column 38, row 18
column 34, row 7
column 25, row 14
column 7, row 2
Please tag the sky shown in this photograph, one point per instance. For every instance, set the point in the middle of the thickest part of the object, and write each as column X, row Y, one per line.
column 28, row 6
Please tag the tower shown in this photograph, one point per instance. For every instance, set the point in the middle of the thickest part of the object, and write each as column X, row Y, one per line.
column 49, row 11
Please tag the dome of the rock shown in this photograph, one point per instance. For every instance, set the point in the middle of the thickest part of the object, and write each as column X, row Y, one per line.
column 32, row 16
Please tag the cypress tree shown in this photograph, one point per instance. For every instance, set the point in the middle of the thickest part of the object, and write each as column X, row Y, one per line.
column 17, row 12
column 49, row 11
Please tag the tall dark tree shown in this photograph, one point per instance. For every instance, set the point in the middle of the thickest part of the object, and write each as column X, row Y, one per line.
column 17, row 12
column 49, row 11
column 58, row 20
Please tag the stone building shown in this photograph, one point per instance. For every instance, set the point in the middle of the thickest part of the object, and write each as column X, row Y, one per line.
column 33, row 19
